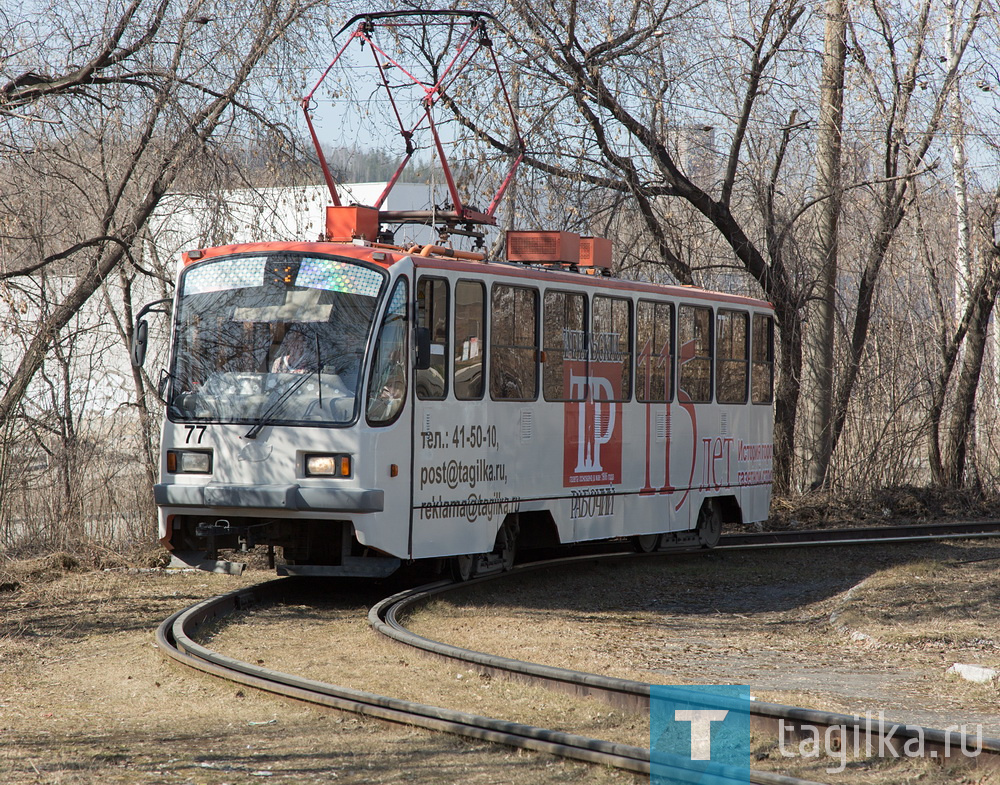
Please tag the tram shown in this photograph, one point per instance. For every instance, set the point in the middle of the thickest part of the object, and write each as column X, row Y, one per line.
column 352, row 405
column 361, row 406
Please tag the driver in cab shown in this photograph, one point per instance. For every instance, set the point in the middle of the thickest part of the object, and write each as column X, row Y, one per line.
column 293, row 354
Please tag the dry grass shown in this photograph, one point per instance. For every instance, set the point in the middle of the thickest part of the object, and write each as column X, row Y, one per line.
column 878, row 507
column 874, row 629
column 333, row 643
column 85, row 697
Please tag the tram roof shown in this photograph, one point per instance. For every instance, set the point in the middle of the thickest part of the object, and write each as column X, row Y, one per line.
column 386, row 256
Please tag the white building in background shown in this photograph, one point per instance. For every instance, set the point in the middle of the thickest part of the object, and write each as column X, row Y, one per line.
column 187, row 221
column 100, row 367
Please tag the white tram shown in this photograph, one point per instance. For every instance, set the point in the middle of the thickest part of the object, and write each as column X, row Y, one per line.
column 361, row 406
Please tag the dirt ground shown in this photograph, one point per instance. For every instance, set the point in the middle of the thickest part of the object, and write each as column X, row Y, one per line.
column 875, row 627
column 86, row 697
column 857, row 630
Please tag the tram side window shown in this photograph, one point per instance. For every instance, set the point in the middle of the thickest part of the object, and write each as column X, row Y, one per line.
column 732, row 357
column 654, row 368
column 694, row 338
column 514, row 344
column 387, row 383
column 564, row 322
column 762, row 366
column 470, row 324
column 432, row 314
column 611, row 349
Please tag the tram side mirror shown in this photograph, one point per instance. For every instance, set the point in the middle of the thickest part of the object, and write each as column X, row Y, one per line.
column 422, row 338
column 140, row 339
column 140, row 335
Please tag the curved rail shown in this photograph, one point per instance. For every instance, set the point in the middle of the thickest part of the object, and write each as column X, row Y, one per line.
column 384, row 617
column 175, row 638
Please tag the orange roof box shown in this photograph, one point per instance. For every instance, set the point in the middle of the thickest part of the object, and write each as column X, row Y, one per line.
column 344, row 224
column 595, row 252
column 543, row 247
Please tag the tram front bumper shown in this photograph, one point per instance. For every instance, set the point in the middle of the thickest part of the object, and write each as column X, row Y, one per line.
column 269, row 497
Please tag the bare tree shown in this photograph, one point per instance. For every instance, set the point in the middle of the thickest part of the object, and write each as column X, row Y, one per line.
column 606, row 88
column 976, row 284
column 819, row 338
column 619, row 92
column 152, row 68
column 102, row 113
column 910, row 126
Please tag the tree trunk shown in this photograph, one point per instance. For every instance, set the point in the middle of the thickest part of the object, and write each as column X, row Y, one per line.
column 817, row 399
column 956, row 442
column 786, row 398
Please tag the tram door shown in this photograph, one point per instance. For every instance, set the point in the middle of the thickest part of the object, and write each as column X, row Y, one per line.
column 389, row 417
column 449, row 416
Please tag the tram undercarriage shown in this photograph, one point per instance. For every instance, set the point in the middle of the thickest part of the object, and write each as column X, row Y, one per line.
column 324, row 548
column 308, row 547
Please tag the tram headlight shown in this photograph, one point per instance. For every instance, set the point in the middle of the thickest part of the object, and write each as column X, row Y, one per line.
column 189, row 461
column 328, row 465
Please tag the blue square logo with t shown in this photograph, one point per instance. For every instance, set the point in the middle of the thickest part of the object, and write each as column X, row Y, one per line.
column 700, row 734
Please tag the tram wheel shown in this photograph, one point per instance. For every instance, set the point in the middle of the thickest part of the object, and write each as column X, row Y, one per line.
column 463, row 567
column 508, row 547
column 709, row 528
column 646, row 543
column 506, row 543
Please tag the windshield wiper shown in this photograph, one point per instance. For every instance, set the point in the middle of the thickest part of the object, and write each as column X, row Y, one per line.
column 265, row 416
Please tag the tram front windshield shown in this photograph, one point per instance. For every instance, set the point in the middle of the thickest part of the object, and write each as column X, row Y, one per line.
column 276, row 338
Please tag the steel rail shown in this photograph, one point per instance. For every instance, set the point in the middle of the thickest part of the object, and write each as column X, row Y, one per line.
column 626, row 694
column 910, row 532
column 175, row 638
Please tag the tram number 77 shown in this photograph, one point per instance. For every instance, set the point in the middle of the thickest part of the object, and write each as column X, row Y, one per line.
column 191, row 430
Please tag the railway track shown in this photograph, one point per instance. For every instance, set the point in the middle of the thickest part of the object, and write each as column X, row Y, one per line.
column 176, row 637
column 914, row 532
